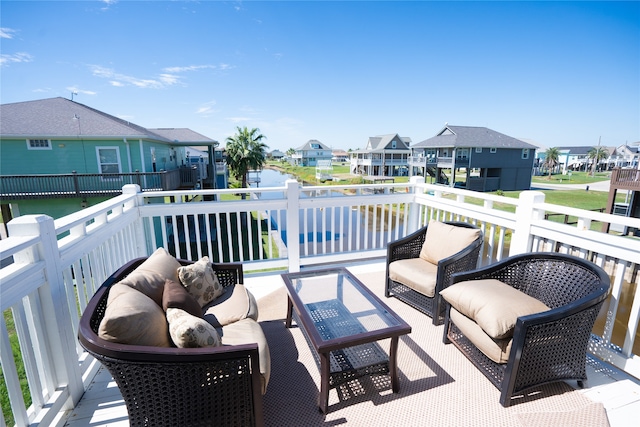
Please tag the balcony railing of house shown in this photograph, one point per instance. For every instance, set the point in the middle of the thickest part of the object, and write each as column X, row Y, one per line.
column 445, row 162
column 625, row 179
column 441, row 161
column 399, row 162
column 51, row 268
column 21, row 187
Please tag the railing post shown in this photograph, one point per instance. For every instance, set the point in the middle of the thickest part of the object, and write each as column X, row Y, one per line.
column 414, row 209
column 163, row 181
column 293, row 224
column 142, row 243
column 76, row 182
column 526, row 213
column 55, row 307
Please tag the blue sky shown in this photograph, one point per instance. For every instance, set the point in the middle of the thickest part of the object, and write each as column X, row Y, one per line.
column 557, row 73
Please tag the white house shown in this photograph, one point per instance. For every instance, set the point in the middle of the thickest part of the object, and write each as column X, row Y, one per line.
column 384, row 155
column 310, row 153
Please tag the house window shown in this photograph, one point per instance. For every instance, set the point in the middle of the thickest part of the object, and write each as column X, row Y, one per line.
column 493, row 150
column 38, row 144
column 462, row 153
column 393, row 144
column 525, row 153
column 108, row 159
column 478, row 149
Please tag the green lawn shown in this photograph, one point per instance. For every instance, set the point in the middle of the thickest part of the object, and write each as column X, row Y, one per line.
column 572, row 178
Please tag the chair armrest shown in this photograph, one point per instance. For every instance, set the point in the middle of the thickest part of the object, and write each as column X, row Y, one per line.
column 229, row 274
column 464, row 261
column 406, row 247
column 559, row 337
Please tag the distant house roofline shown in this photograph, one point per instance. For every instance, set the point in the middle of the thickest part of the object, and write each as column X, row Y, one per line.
column 473, row 137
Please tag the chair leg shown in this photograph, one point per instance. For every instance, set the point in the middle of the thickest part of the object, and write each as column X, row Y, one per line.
column 447, row 321
column 505, row 397
column 445, row 335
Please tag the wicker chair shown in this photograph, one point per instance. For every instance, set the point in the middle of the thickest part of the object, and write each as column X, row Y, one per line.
column 410, row 247
column 178, row 386
column 547, row 346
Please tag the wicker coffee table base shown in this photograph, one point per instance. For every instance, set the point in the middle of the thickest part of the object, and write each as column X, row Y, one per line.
column 345, row 364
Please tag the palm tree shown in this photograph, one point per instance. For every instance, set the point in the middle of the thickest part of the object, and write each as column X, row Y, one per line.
column 551, row 157
column 245, row 152
column 596, row 154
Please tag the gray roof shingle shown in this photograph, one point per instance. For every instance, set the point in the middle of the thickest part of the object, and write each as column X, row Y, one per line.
column 183, row 135
column 381, row 141
column 60, row 117
column 311, row 145
column 470, row 136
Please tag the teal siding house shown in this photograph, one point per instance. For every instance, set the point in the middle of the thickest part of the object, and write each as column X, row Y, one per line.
column 57, row 155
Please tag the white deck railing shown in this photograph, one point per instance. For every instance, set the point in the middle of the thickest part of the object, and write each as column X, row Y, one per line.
column 50, row 269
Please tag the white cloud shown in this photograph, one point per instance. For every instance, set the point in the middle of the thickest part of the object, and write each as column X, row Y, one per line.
column 120, row 80
column 188, row 68
column 169, row 79
column 6, row 33
column 108, row 3
column 15, row 58
column 77, row 91
column 207, row 109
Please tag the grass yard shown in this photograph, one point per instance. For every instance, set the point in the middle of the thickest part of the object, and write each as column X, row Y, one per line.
column 572, row 178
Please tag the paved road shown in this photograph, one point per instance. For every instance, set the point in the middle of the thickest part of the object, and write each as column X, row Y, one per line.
column 593, row 186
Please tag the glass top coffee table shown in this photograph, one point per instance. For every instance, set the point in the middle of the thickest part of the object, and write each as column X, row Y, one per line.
column 342, row 321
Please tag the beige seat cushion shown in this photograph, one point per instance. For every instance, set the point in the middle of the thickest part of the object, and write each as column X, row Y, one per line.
column 415, row 273
column 133, row 318
column 444, row 240
column 248, row 331
column 201, row 281
column 236, row 303
column 188, row 331
column 496, row 350
column 149, row 277
column 493, row 305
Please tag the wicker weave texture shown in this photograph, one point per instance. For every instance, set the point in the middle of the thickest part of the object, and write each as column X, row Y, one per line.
column 410, row 247
column 549, row 346
column 178, row 387
column 185, row 394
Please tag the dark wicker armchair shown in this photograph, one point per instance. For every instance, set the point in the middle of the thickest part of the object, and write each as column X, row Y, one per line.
column 546, row 346
column 409, row 248
column 178, row 386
